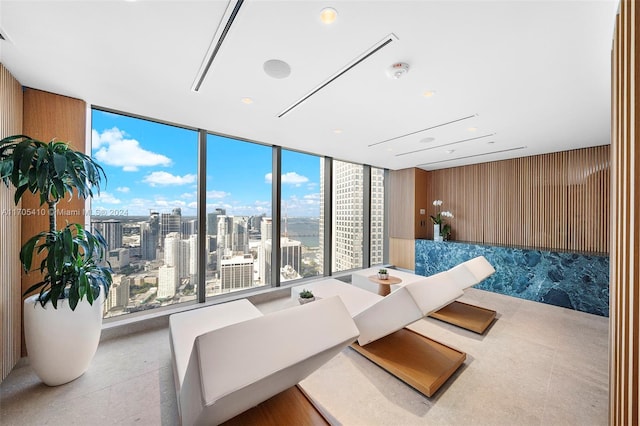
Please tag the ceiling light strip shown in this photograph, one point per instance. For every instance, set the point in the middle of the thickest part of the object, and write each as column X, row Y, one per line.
column 423, row 130
column 216, row 43
column 375, row 48
column 471, row 156
column 445, row 144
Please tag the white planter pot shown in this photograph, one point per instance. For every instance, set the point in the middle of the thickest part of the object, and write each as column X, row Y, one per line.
column 60, row 342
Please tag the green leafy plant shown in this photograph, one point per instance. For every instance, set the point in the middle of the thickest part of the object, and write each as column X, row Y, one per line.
column 72, row 255
column 306, row 294
column 382, row 271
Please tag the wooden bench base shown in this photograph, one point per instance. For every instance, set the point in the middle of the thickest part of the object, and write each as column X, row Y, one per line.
column 289, row 407
column 422, row 363
column 467, row 316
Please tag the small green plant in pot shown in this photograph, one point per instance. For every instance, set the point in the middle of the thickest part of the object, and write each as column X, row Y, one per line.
column 383, row 274
column 306, row 296
column 72, row 257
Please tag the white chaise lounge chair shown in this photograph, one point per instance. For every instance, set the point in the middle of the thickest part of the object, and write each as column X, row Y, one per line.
column 229, row 358
column 417, row 360
column 464, row 275
column 467, row 316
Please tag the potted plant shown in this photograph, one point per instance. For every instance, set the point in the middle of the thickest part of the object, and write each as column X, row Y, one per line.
column 306, row 296
column 441, row 230
column 61, row 333
column 383, row 274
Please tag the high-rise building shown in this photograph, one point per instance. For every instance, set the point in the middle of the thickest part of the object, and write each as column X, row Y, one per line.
column 167, row 282
column 149, row 237
column 377, row 216
column 290, row 254
column 170, row 222
column 189, row 227
column 347, row 216
column 236, row 272
column 111, row 230
column 118, row 258
column 118, row 293
column 233, row 238
column 212, row 221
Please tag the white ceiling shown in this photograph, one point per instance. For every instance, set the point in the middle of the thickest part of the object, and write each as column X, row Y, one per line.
column 531, row 76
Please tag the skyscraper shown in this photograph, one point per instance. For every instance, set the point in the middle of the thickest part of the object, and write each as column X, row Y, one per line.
column 149, row 237
column 212, row 221
column 347, row 215
column 236, row 272
column 111, row 230
column 170, row 222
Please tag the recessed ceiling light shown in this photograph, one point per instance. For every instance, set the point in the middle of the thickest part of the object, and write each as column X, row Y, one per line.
column 472, row 129
column 337, row 131
column 427, row 140
column 328, row 15
column 276, row 68
column 450, row 151
column 428, row 93
column 247, row 101
column 389, row 149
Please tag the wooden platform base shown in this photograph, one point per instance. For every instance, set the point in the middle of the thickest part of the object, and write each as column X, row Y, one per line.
column 415, row 359
column 289, row 407
column 467, row 316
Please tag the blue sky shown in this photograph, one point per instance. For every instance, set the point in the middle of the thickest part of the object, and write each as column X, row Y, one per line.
column 153, row 166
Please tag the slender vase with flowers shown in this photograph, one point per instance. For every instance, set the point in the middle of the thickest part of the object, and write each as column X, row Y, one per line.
column 441, row 230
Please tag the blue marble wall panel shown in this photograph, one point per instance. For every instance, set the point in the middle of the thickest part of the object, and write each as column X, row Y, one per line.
column 571, row 280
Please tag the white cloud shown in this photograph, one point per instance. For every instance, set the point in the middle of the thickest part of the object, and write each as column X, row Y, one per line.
column 106, row 198
column 165, row 179
column 290, row 178
column 114, row 149
column 217, row 194
column 124, row 189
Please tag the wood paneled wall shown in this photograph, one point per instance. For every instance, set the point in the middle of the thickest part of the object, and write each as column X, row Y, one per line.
column 10, row 289
column 624, row 347
column 557, row 201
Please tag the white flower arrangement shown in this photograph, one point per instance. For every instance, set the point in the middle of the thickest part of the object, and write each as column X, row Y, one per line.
column 445, row 229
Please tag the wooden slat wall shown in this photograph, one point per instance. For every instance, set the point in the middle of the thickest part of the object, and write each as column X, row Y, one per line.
column 624, row 347
column 10, row 290
column 556, row 201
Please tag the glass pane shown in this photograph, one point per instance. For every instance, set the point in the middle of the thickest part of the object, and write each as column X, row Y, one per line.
column 147, row 212
column 238, row 204
column 377, row 215
column 347, row 188
column 300, row 227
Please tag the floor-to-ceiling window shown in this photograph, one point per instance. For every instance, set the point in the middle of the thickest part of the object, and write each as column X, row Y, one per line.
column 147, row 211
column 300, row 216
column 238, row 182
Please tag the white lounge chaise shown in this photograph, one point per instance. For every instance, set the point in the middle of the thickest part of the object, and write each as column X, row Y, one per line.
column 417, row 360
column 229, row 358
column 464, row 275
column 465, row 315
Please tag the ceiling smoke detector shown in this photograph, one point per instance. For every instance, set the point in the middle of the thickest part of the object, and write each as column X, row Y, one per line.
column 398, row 70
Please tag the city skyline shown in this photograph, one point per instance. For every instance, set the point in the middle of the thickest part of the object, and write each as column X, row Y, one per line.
column 152, row 167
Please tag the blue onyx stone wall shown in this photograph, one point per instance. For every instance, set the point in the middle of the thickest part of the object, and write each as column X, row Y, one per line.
column 571, row 280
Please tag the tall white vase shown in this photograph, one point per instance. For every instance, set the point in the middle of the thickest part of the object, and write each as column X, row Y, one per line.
column 60, row 342
column 436, row 232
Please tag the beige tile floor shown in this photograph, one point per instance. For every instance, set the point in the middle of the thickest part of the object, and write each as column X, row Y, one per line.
column 537, row 365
